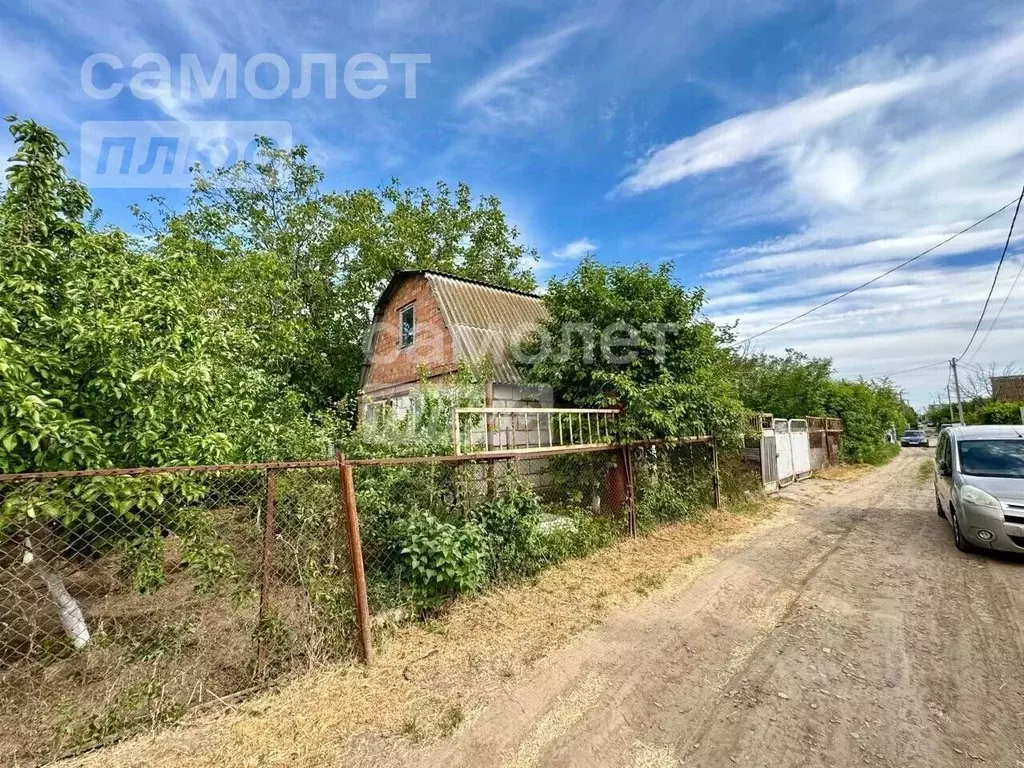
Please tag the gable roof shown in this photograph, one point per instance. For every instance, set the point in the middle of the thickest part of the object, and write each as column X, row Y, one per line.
column 484, row 320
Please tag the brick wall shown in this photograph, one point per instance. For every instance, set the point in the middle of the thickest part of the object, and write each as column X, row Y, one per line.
column 1008, row 389
column 431, row 351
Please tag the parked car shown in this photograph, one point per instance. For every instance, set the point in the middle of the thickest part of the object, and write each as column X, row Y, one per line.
column 914, row 437
column 979, row 486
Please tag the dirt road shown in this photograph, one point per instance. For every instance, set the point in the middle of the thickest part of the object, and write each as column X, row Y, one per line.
column 853, row 633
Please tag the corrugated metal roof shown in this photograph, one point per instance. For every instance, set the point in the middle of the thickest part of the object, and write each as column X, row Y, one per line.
column 486, row 321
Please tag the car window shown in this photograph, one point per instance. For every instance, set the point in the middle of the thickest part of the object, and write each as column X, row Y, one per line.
column 992, row 458
column 947, row 453
column 940, row 449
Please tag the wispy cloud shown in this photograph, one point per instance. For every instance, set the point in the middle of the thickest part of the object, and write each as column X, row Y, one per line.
column 575, row 250
column 757, row 134
column 788, row 132
column 565, row 256
column 521, row 89
column 864, row 175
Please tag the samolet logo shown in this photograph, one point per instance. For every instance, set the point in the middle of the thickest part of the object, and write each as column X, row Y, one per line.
column 158, row 155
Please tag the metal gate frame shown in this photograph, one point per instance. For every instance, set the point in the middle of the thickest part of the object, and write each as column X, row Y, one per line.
column 786, row 449
column 800, row 446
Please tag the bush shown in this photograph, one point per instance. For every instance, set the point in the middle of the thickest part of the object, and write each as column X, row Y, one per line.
column 673, row 484
column 440, row 559
column 879, row 454
column 511, row 523
column 992, row 413
column 575, row 532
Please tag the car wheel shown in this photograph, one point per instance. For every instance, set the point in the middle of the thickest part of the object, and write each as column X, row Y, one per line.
column 958, row 536
column 938, row 508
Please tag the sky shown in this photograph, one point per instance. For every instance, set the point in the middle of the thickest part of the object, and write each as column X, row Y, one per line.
column 777, row 153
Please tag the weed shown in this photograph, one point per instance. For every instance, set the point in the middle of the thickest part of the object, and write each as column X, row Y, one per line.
column 151, row 644
column 411, row 730
column 925, row 470
column 273, row 635
column 648, row 582
column 453, row 718
column 141, row 707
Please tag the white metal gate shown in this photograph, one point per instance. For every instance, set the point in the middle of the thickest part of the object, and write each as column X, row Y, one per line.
column 800, row 440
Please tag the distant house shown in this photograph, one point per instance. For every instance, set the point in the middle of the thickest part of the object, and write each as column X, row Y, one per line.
column 427, row 325
column 1008, row 389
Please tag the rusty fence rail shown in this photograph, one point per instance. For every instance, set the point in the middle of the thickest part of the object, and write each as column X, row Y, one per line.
column 128, row 596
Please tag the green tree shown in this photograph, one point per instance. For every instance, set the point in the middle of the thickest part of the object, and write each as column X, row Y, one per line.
column 632, row 336
column 40, row 222
column 304, row 266
column 789, row 387
column 113, row 356
column 797, row 385
column 867, row 409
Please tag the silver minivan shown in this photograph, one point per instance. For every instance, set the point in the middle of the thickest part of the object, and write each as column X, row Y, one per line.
column 979, row 486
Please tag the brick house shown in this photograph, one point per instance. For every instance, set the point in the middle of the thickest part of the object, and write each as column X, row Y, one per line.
column 427, row 325
column 1008, row 389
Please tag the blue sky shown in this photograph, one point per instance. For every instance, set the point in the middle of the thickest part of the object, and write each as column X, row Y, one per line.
column 776, row 152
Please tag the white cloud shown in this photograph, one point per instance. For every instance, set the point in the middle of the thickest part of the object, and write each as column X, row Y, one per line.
column 863, row 176
column 521, row 89
column 575, row 250
column 569, row 253
column 881, row 253
column 789, row 130
column 757, row 134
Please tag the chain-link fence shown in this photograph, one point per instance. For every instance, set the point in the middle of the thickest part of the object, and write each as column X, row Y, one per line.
column 435, row 528
column 127, row 597
column 432, row 529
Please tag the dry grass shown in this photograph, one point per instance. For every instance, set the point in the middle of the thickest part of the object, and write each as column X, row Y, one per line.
column 428, row 677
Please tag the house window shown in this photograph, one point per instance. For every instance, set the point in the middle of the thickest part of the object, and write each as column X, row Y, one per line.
column 406, row 326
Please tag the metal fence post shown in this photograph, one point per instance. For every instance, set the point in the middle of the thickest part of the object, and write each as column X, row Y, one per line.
column 270, row 507
column 716, row 481
column 355, row 547
column 630, row 489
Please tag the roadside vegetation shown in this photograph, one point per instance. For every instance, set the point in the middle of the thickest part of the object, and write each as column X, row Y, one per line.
column 795, row 385
column 979, row 410
column 429, row 676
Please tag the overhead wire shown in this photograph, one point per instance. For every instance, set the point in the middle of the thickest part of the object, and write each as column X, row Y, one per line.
column 995, row 279
column 912, row 370
column 888, row 272
column 999, row 314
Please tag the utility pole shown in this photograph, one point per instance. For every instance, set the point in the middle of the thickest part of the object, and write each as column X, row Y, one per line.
column 956, row 383
column 949, row 399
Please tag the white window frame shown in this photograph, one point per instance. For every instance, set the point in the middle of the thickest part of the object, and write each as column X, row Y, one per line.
column 402, row 343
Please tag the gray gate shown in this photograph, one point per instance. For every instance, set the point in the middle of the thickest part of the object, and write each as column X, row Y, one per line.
column 769, row 460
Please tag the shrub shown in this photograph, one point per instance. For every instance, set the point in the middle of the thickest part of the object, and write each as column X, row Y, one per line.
column 672, row 484
column 577, row 534
column 510, row 521
column 440, row 559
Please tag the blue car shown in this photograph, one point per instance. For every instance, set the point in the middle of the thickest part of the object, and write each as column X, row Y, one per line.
column 914, row 438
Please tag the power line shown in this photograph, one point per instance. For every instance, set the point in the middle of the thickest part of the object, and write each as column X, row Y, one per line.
column 999, row 314
column 999, row 266
column 912, row 370
column 888, row 272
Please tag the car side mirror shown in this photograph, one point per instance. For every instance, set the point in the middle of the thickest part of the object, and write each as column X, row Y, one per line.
column 945, row 470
